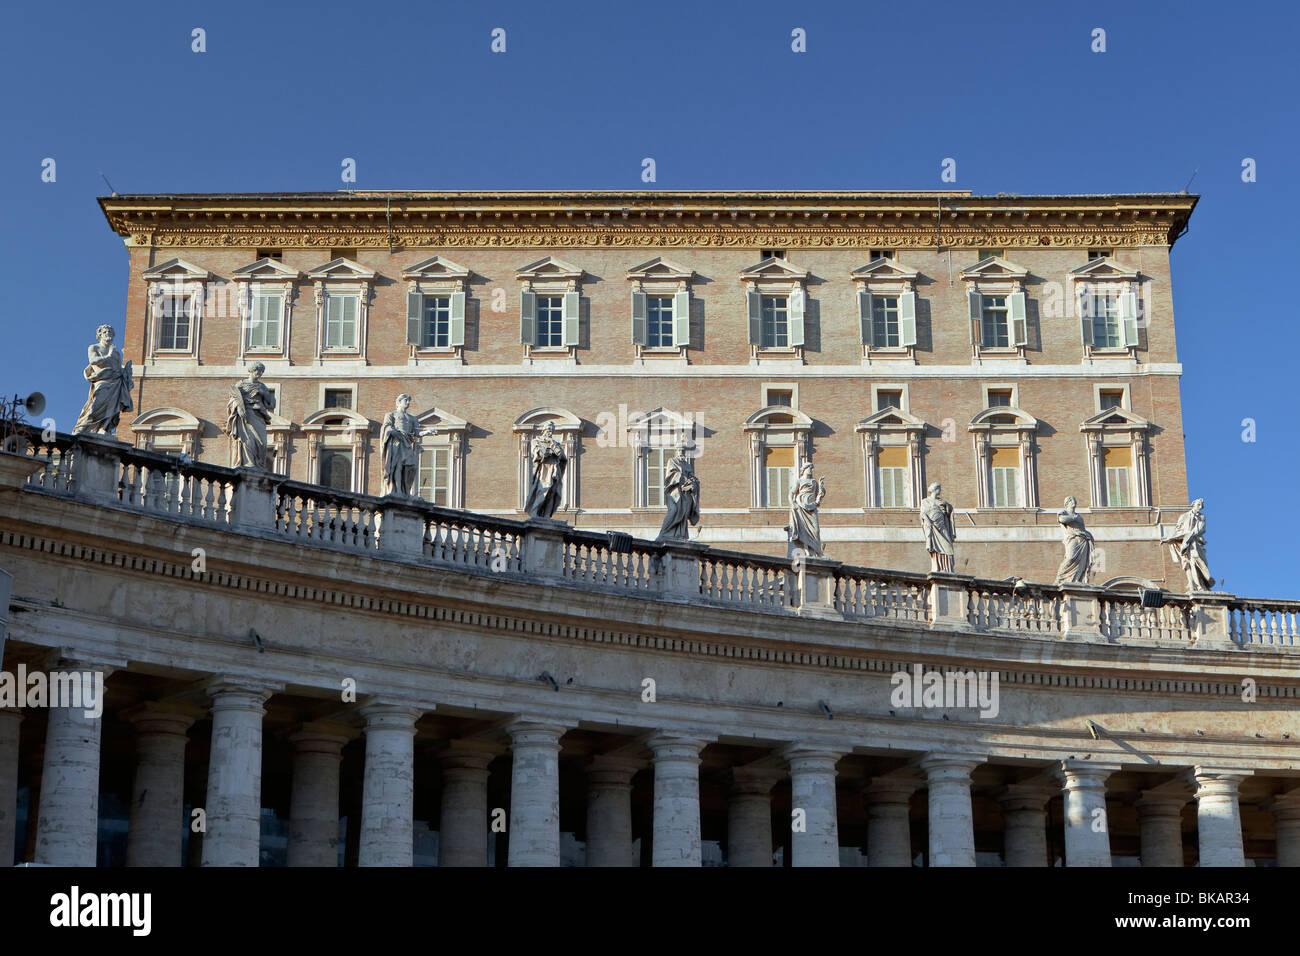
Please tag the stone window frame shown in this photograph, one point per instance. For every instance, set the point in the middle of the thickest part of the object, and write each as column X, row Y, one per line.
column 271, row 277
column 892, row 428
column 436, row 276
column 568, row 431
column 886, row 277
column 342, row 277
column 1119, row 428
column 660, row 428
column 450, row 432
column 1126, row 403
column 904, row 395
column 1105, row 275
column 167, row 421
column 323, row 386
column 550, row 277
column 175, row 277
column 338, row 428
column 990, row 429
column 775, row 276
column 997, row 277
column 660, row 277
column 768, row 387
column 764, row 430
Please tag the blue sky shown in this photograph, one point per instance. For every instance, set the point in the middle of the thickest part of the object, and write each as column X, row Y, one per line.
column 715, row 94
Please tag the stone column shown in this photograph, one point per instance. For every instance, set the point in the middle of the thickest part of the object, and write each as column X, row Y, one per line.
column 157, row 827
column 534, row 793
column 889, row 825
column 9, row 721
column 749, row 816
column 314, row 797
column 388, row 790
column 463, row 824
column 1286, row 827
column 1160, row 825
column 1087, row 829
column 676, row 840
column 1218, row 817
column 67, row 829
column 609, row 811
column 234, row 799
column 1024, row 823
column 952, row 825
column 812, row 789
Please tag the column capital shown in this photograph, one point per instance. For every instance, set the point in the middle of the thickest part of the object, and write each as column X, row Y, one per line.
column 387, row 714
column 72, row 659
column 613, row 770
column 944, row 765
column 1077, row 774
column 156, row 717
column 474, row 754
column 754, row 781
column 808, row 756
column 321, row 737
column 1026, row 796
column 895, row 787
column 1285, row 806
column 668, row 746
column 233, row 692
column 536, row 730
column 1222, row 781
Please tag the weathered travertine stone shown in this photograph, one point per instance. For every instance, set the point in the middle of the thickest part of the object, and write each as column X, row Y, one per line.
column 1187, row 547
column 676, row 840
column 804, row 530
column 609, row 811
column 952, row 831
column 1218, row 816
column 388, row 791
column 1087, row 828
column 314, row 799
column 1286, row 827
column 1160, row 825
column 889, row 828
column 463, row 824
column 749, row 816
column 1077, row 563
column 234, row 802
column 534, row 826
column 158, row 792
column 1024, row 823
column 812, row 789
column 9, row 721
column 940, row 534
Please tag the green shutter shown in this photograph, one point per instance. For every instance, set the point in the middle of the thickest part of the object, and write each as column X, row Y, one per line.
column 755, row 305
column 528, row 318
column 795, row 308
column 907, row 318
column 414, row 307
column 975, row 302
column 639, row 318
column 1016, row 315
column 681, row 318
column 571, row 318
column 864, row 316
column 1128, row 318
column 457, row 319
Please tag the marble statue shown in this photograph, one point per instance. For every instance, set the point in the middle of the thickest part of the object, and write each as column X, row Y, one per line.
column 1078, row 546
column 546, row 464
column 940, row 532
column 1187, row 547
column 399, row 438
column 247, row 414
column 805, row 524
column 682, row 496
column 110, row 386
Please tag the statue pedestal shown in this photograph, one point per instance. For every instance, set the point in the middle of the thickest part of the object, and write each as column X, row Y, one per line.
column 254, row 505
column 1081, row 613
column 681, row 566
column 949, row 600
column 97, row 466
column 1211, row 620
column 401, row 527
column 815, row 580
column 544, row 547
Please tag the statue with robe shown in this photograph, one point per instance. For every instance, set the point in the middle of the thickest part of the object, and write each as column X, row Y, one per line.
column 804, row 529
column 546, row 464
column 1077, row 564
column 248, row 412
column 399, row 440
column 940, row 533
column 1187, row 547
column 682, row 496
column 110, row 386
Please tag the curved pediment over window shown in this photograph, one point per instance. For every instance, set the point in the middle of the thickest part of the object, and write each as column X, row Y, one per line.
column 1003, row 415
column 561, row 418
column 167, row 429
column 335, row 417
column 158, row 419
column 662, row 427
column 778, row 415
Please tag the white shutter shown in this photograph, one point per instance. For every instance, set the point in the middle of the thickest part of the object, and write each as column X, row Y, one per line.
column 754, row 302
column 414, row 310
column 457, row 336
column 350, row 304
column 907, row 318
column 333, row 321
column 528, row 318
column 639, row 336
column 1016, row 316
column 570, row 318
column 864, row 316
column 795, row 308
column 1128, row 319
column 681, row 318
column 976, row 303
column 1083, row 299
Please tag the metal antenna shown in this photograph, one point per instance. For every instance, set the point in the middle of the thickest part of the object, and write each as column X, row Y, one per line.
column 107, row 183
column 1189, row 182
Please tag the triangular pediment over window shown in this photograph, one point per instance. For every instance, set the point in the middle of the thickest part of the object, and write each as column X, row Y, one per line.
column 884, row 269
column 266, row 269
column 994, row 267
column 660, row 268
column 442, row 421
column 1104, row 269
column 436, row 267
column 773, row 268
column 549, row 268
column 341, row 269
column 891, row 417
column 1115, row 418
column 177, row 269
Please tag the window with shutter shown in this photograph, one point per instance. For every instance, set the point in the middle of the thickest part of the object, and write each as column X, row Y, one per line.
column 571, row 310
column 1117, row 463
column 341, row 321
column 681, row 319
column 654, row 461
column 907, row 319
column 993, row 327
column 550, row 321
column 776, row 321
column 264, row 326
column 1128, row 318
column 528, row 318
column 457, row 329
column 435, row 475
column 796, row 312
column 1004, row 472
column 891, row 471
column 1018, row 319
column 753, row 303
column 778, row 476
column 174, row 327
column 435, row 329
column 659, row 321
column 640, row 334
column 884, row 321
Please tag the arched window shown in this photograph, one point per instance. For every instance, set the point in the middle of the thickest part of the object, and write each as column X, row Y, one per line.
column 656, row 438
column 779, row 440
column 1119, row 466
column 1005, row 457
column 172, row 431
column 568, row 432
column 337, row 448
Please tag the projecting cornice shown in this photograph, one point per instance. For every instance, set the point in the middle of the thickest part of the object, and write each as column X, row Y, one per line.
column 789, row 220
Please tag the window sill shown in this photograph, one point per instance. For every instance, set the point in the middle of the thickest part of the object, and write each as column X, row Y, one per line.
column 437, row 356
column 1010, row 353
column 879, row 354
column 564, row 354
column 661, row 355
column 774, row 355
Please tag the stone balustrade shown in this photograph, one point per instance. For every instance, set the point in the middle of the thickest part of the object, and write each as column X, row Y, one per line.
column 104, row 471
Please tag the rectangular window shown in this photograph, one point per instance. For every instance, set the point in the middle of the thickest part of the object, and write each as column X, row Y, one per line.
column 550, row 321
column 776, row 321
column 1004, row 466
column 341, row 321
column 1116, row 462
column 780, row 396
column 891, row 468
column 336, row 468
column 338, row 398
column 435, row 475
column 778, row 476
column 1110, row 398
column 994, row 318
column 889, row 398
column 264, row 327
column 343, row 254
column 276, row 254
column 174, row 329
column 1098, row 254
column 435, row 325
column 655, row 460
column 772, row 254
column 659, row 321
column 881, row 254
column 884, row 321
column 1000, row 398
column 990, row 254
column 1104, row 307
